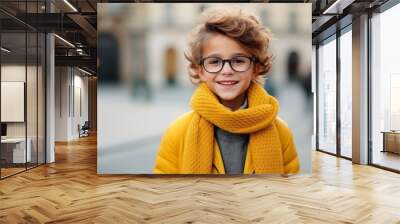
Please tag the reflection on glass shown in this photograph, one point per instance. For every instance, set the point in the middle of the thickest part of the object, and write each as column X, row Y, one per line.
column 346, row 94
column 386, row 89
column 327, row 97
column 13, row 85
column 22, row 92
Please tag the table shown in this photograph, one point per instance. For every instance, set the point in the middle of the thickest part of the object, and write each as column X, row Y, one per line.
column 391, row 141
column 16, row 151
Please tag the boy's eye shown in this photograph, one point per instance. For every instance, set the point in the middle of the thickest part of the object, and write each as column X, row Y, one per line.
column 239, row 60
column 214, row 61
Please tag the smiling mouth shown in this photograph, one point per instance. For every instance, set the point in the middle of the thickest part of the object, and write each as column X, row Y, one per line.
column 227, row 83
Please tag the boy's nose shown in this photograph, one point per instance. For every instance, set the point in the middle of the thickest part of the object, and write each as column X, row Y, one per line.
column 226, row 69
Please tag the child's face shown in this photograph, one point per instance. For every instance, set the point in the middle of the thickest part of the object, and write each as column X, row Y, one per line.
column 229, row 85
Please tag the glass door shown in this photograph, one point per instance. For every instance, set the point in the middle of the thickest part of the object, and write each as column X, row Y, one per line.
column 327, row 96
column 346, row 93
column 385, row 90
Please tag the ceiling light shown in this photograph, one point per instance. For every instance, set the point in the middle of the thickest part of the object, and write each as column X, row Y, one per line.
column 64, row 40
column 86, row 72
column 70, row 5
column 337, row 7
column 5, row 49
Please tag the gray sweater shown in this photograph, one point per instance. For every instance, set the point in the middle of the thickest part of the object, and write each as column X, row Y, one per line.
column 233, row 148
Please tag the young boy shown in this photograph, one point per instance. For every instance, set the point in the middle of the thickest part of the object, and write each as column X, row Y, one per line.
column 233, row 127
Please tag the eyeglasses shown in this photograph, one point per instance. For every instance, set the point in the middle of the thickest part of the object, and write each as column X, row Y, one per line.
column 237, row 63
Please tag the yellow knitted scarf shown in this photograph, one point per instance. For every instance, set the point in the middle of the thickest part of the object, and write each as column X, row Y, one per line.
column 256, row 120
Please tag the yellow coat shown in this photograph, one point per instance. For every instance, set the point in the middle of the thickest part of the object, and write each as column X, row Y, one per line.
column 169, row 157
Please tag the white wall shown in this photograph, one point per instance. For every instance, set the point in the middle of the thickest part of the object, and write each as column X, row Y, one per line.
column 12, row 101
column 61, row 103
column 16, row 73
column 67, row 115
column 80, row 83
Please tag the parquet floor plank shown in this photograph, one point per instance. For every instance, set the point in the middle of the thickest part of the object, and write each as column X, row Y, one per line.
column 70, row 191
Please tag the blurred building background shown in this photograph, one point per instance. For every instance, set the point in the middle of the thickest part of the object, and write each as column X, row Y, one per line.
column 144, row 84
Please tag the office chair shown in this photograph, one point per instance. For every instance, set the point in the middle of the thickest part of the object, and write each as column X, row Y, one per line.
column 84, row 130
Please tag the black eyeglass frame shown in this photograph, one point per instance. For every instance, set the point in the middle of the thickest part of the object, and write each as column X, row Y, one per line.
column 253, row 59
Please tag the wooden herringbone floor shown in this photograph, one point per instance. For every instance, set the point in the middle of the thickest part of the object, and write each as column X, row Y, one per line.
column 70, row 191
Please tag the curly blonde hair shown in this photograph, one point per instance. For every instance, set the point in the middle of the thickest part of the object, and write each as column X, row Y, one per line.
column 243, row 27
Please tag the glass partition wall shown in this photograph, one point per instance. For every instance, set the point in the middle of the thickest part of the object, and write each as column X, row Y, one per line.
column 327, row 95
column 22, row 76
column 13, row 89
column 334, row 89
column 345, row 61
column 385, row 90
